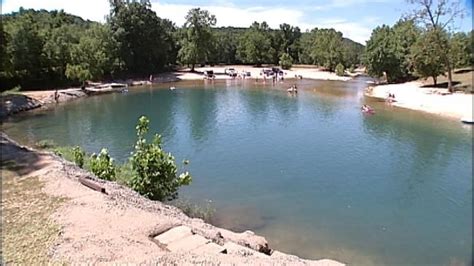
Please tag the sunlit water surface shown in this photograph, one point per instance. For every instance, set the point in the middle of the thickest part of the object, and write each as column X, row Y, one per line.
column 310, row 172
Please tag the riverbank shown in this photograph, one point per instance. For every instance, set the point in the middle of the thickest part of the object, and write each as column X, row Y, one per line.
column 414, row 95
column 219, row 71
column 118, row 226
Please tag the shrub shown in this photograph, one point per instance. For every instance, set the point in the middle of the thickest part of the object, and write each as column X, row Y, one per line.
column 155, row 172
column 45, row 144
column 78, row 156
column 340, row 69
column 286, row 61
column 102, row 165
column 196, row 210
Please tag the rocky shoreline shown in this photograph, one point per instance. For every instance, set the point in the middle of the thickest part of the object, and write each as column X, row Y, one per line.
column 118, row 226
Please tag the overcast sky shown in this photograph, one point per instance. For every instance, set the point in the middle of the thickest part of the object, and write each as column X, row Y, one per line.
column 354, row 18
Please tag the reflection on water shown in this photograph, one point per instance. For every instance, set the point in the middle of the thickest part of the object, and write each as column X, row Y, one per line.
column 309, row 172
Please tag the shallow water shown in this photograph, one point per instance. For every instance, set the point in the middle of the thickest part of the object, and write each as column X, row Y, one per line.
column 309, row 172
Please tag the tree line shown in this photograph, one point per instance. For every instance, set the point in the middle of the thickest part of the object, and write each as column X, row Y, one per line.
column 421, row 44
column 44, row 49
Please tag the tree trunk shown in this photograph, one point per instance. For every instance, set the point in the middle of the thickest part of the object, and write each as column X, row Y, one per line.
column 450, row 77
column 435, row 81
column 192, row 67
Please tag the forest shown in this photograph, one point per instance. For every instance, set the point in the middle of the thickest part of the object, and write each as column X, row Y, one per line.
column 46, row 49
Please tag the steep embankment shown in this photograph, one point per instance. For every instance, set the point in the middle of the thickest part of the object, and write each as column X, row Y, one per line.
column 120, row 226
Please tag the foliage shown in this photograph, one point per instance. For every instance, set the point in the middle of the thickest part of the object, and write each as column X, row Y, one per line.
column 340, row 69
column 155, row 171
column 145, row 41
column 255, row 45
column 102, row 165
column 45, row 144
column 286, row 61
column 438, row 17
column 78, row 156
column 327, row 51
column 93, row 56
column 462, row 45
column 201, row 211
column 426, row 56
column 197, row 40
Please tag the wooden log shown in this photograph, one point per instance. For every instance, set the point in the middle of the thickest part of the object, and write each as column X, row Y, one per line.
column 90, row 184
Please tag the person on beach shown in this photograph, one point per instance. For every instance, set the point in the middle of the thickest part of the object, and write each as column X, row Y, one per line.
column 56, row 96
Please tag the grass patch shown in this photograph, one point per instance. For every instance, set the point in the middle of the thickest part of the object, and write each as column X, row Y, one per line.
column 194, row 210
column 28, row 231
column 124, row 171
column 14, row 90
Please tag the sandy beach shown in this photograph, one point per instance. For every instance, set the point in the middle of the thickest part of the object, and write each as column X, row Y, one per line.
column 219, row 71
column 412, row 95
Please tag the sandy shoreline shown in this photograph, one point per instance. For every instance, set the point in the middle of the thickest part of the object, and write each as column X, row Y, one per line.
column 219, row 71
column 432, row 100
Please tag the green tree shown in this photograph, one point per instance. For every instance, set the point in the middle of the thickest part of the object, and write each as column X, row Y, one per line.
column 155, row 172
column 405, row 34
column 196, row 44
column 381, row 56
column 327, row 48
column 438, row 16
column 426, row 57
column 142, row 37
column 340, row 70
column 286, row 61
column 461, row 49
column 255, row 45
column 95, row 56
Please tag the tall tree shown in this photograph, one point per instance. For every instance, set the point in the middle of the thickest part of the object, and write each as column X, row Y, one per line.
column 327, row 48
column 197, row 42
column 426, row 57
column 255, row 45
column 438, row 16
column 381, row 56
column 143, row 42
column 95, row 56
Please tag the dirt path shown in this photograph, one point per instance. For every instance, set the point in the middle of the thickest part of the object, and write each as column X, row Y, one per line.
column 64, row 221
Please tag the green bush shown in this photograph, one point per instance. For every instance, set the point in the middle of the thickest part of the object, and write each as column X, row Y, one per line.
column 286, row 62
column 196, row 210
column 102, row 165
column 45, row 144
column 78, row 156
column 340, row 69
column 154, row 171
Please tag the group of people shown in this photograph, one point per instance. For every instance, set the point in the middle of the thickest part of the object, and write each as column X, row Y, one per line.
column 391, row 97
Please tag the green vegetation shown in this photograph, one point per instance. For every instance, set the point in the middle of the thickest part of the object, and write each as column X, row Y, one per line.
column 155, row 172
column 44, row 49
column 340, row 69
column 421, row 46
column 78, row 156
column 102, row 165
column 195, row 210
column 197, row 41
column 150, row 171
column 286, row 61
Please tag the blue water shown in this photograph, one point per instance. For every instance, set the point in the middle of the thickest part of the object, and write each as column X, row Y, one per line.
column 309, row 172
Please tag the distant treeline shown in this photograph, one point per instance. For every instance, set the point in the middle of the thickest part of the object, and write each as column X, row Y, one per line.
column 45, row 49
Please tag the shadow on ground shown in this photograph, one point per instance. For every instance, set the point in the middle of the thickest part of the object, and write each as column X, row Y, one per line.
column 17, row 159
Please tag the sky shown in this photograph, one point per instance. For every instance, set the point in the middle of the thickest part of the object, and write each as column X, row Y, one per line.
column 354, row 18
